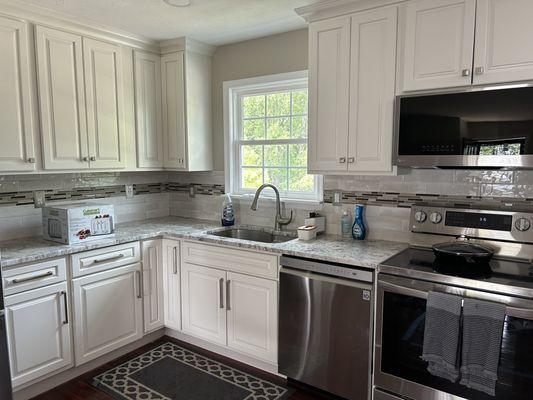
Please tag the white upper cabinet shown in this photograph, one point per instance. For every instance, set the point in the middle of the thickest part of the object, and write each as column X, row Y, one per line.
column 372, row 90
column 148, row 110
column 62, row 99
column 104, row 95
column 17, row 93
column 329, row 68
column 438, row 43
column 504, row 41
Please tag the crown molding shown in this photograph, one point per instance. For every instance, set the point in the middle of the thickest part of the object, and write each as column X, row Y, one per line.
column 184, row 43
column 333, row 8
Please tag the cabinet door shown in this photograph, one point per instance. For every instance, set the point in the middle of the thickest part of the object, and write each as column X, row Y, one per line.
column 148, row 110
column 438, row 43
column 152, row 285
column 372, row 90
column 104, row 94
column 38, row 332
column 17, row 118
column 171, row 284
column 504, row 48
column 252, row 305
column 204, row 312
column 107, row 311
column 173, row 90
column 329, row 62
column 62, row 99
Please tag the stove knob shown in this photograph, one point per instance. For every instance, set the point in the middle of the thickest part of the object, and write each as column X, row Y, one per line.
column 435, row 217
column 420, row 216
column 522, row 224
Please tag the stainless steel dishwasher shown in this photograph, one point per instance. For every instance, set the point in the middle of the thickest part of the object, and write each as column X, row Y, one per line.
column 325, row 326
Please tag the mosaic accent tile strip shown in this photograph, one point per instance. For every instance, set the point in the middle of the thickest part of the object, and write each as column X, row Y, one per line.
column 211, row 190
column 407, row 200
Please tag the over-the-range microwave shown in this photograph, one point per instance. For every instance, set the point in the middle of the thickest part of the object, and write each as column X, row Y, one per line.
column 489, row 128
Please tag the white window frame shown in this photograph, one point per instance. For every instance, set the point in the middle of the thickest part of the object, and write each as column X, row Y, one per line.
column 233, row 91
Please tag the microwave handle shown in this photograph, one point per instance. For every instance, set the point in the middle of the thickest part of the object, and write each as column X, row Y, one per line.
column 522, row 313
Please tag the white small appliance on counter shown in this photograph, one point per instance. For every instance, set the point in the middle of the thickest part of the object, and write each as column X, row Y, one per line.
column 78, row 222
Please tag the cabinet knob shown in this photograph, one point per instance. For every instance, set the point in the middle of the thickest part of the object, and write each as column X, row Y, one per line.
column 351, row 160
column 31, row 160
column 85, row 159
column 479, row 70
column 342, row 160
column 466, row 72
column 93, row 158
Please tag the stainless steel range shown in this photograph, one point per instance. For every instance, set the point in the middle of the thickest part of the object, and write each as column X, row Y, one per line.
column 406, row 279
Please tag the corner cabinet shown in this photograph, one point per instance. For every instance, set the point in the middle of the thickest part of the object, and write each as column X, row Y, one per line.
column 171, row 284
column 152, row 262
column 351, row 93
column 81, row 100
column 17, row 93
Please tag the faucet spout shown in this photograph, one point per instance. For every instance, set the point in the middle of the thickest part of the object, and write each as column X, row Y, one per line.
column 280, row 220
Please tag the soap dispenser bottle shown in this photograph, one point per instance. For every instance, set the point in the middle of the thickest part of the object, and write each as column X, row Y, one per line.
column 228, row 215
column 346, row 224
column 358, row 228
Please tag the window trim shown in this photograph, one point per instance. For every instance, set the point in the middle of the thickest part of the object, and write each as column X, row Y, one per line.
column 235, row 89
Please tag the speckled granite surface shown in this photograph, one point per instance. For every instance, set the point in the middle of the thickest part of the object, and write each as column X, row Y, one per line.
column 326, row 248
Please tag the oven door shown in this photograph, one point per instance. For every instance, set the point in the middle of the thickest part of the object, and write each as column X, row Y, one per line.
column 401, row 310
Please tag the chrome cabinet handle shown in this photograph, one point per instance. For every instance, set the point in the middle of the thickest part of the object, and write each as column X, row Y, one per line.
column 92, row 158
column 342, row 160
column 228, row 296
column 33, row 278
column 139, row 284
column 351, row 160
column 31, row 160
column 175, row 261
column 466, row 72
column 479, row 70
column 65, row 298
column 221, row 289
column 108, row 259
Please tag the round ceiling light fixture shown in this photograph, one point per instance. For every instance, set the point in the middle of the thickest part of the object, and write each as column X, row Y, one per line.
column 178, row 3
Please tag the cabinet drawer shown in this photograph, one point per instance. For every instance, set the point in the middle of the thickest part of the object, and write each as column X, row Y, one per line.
column 100, row 260
column 248, row 262
column 33, row 276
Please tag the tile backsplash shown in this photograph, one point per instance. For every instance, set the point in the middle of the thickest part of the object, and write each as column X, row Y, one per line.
column 159, row 194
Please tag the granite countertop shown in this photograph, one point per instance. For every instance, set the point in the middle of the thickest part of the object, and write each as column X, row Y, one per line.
column 332, row 248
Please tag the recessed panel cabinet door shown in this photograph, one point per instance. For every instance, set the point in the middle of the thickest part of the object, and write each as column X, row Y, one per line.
column 438, row 43
column 62, row 99
column 148, row 110
column 372, row 90
column 104, row 94
column 252, row 305
column 171, row 284
column 17, row 119
column 504, row 41
column 152, row 285
column 173, row 91
column 204, row 312
column 38, row 332
column 107, row 311
column 329, row 84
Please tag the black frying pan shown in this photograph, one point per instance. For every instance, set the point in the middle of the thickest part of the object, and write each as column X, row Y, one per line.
column 464, row 251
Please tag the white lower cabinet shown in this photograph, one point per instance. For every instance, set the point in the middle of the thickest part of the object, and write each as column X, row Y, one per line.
column 107, row 311
column 171, row 284
column 152, row 285
column 252, row 305
column 38, row 332
column 230, row 309
column 204, row 312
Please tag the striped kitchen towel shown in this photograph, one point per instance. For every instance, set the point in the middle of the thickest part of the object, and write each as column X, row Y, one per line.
column 482, row 336
column 441, row 335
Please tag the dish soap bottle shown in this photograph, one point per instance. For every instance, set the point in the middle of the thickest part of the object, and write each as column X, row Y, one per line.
column 346, row 223
column 228, row 215
column 358, row 228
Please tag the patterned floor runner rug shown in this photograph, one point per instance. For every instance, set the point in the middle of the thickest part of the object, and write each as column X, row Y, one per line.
column 171, row 372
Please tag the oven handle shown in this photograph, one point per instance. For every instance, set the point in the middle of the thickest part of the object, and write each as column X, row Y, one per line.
column 523, row 313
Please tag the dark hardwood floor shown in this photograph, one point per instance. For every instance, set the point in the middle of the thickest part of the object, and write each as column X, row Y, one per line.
column 81, row 389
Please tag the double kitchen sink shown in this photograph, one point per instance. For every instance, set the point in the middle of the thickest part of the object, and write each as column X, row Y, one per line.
column 254, row 235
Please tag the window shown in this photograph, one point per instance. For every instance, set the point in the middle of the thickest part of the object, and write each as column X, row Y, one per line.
column 267, row 126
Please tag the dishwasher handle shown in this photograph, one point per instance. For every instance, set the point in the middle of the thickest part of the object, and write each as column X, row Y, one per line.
column 325, row 278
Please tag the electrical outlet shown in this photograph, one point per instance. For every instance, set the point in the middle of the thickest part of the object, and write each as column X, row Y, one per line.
column 337, row 198
column 39, row 199
column 192, row 191
column 129, row 191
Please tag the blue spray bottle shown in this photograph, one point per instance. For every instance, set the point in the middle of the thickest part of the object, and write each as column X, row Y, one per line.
column 358, row 228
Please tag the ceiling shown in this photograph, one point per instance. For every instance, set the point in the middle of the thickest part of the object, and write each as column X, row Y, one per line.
column 214, row 22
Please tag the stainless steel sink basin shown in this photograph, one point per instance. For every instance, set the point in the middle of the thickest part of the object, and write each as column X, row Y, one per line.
column 253, row 235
